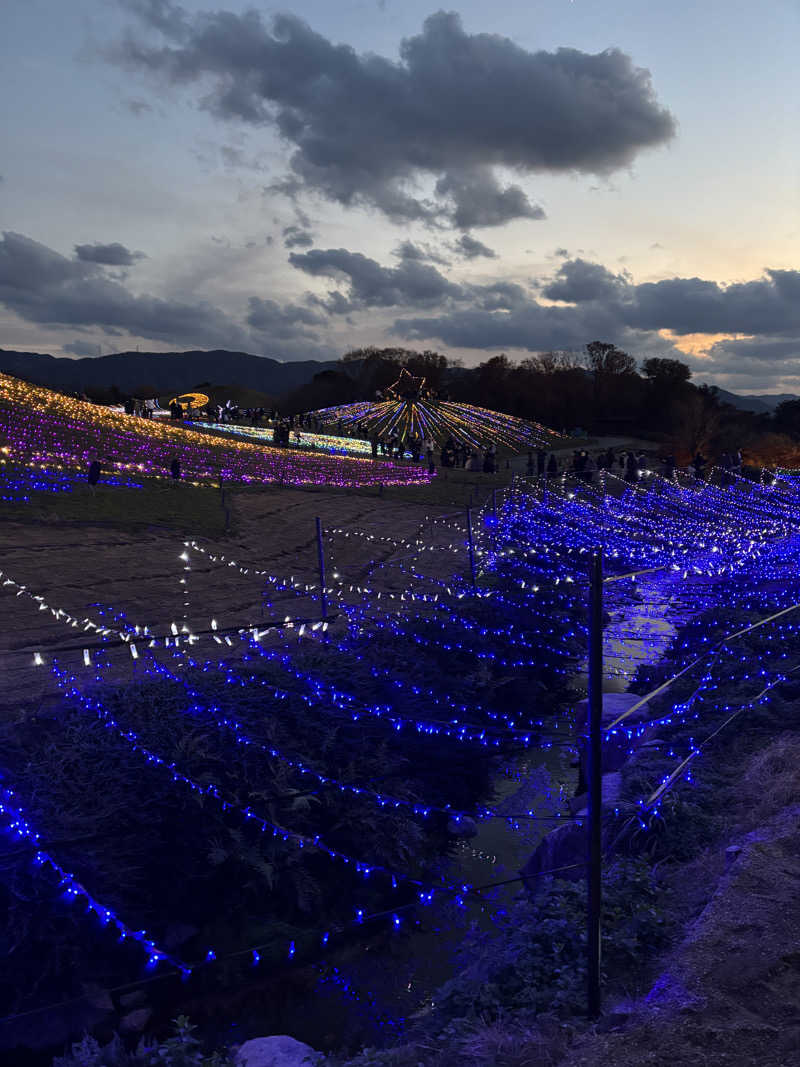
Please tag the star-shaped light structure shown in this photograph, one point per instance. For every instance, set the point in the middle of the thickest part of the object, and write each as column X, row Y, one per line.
column 409, row 408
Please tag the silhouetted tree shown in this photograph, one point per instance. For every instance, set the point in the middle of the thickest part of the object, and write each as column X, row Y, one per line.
column 786, row 418
column 666, row 373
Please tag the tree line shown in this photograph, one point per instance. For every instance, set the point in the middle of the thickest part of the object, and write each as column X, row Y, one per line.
column 602, row 391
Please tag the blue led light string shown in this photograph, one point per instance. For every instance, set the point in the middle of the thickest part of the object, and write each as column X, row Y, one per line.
column 226, row 722
column 18, row 825
column 69, row 685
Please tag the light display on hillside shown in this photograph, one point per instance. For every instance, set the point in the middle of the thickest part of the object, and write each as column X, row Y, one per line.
column 409, row 408
column 190, row 401
column 48, row 429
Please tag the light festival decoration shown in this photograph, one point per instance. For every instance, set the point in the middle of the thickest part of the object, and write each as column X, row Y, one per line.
column 298, row 438
column 20, row 482
column 410, row 409
column 190, row 400
column 17, row 823
column 68, row 684
column 51, row 429
column 537, row 543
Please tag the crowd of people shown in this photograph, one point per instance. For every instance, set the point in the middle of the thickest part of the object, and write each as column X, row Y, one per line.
column 629, row 465
column 581, row 464
column 143, row 408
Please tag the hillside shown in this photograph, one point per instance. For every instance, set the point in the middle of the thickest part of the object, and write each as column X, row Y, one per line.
column 162, row 372
column 45, row 428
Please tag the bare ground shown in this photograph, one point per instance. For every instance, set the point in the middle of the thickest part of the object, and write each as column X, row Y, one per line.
column 729, row 993
column 135, row 567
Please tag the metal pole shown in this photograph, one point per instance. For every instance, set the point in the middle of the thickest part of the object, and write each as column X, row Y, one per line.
column 594, row 771
column 494, row 504
column 471, row 544
column 321, row 558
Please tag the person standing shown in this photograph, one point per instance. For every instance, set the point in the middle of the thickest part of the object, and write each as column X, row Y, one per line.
column 541, row 462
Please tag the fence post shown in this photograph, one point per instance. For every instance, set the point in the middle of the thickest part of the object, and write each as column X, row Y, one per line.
column 471, row 544
column 595, row 784
column 321, row 558
column 494, row 504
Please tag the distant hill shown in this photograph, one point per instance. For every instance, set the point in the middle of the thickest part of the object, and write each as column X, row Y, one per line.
column 761, row 404
column 771, row 399
column 162, row 372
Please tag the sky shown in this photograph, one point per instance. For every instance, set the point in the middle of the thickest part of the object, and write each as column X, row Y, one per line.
column 507, row 177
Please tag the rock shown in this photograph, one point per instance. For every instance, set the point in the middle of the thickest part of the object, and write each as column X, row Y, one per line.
column 135, row 1021
column 278, row 1051
column 462, row 826
column 136, row 999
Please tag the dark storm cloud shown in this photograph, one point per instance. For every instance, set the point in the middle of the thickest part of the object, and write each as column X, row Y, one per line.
column 500, row 296
column 42, row 286
column 471, row 248
column 282, row 321
column 297, row 237
column 578, row 281
column 370, row 285
column 479, row 200
column 113, row 255
column 602, row 304
column 770, row 305
column 456, row 106
column 527, row 325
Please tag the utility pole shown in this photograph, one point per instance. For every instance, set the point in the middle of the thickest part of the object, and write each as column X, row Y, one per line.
column 594, row 769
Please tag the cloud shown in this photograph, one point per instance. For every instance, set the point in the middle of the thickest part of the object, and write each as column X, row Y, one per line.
column 113, row 255
column 285, row 322
column 478, row 199
column 42, row 286
column 500, row 296
column 455, row 108
column 297, row 237
column 769, row 305
column 371, row 285
column 408, row 250
column 526, row 325
column 471, row 248
column 578, row 281
column 595, row 302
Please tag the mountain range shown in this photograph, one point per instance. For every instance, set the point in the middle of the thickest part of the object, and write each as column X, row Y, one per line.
column 161, row 372
column 760, row 403
column 167, row 372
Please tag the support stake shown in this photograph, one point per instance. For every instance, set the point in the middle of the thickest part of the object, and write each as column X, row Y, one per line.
column 321, row 558
column 595, row 784
column 471, row 544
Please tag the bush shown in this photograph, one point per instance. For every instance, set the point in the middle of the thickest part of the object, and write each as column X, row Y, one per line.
column 181, row 1050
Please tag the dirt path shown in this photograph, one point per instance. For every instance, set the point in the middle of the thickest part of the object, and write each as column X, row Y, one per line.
column 139, row 570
